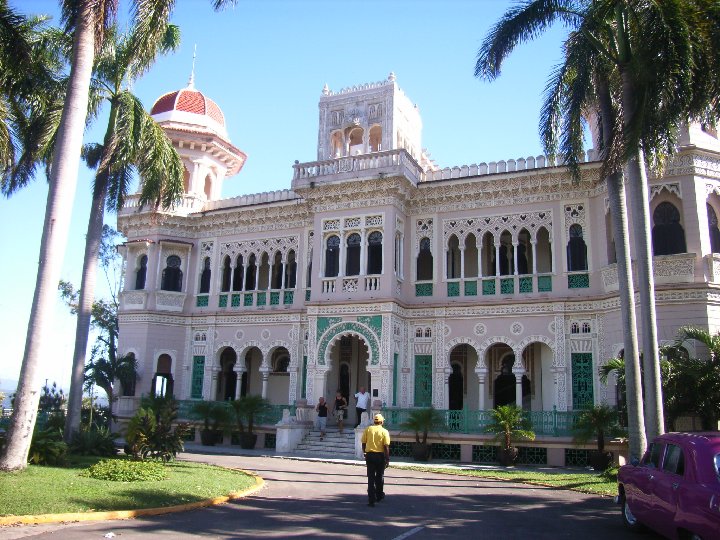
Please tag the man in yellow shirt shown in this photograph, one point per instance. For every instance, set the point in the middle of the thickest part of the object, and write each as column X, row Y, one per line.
column 376, row 449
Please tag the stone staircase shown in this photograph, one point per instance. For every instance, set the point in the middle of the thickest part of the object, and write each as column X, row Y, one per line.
column 334, row 444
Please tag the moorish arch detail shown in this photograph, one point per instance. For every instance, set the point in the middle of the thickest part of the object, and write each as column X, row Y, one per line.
column 219, row 349
column 271, row 348
column 459, row 341
column 535, row 339
column 489, row 342
column 354, row 328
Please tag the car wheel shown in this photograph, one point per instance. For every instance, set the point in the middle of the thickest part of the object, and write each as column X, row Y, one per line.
column 629, row 518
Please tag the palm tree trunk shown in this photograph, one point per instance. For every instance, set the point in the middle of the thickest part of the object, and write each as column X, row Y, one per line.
column 85, row 302
column 619, row 223
column 61, row 194
column 638, row 190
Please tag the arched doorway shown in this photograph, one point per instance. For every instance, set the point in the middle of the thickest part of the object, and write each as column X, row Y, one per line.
column 278, row 389
column 504, row 382
column 162, row 383
column 456, row 387
column 227, row 378
column 348, row 373
column 461, row 393
column 251, row 380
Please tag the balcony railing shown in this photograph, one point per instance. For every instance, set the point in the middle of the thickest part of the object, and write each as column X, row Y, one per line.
column 544, row 423
column 249, row 299
column 376, row 164
column 271, row 416
column 491, row 285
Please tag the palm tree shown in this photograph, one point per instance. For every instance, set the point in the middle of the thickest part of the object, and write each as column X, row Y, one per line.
column 87, row 21
column 657, row 67
column 571, row 93
column 132, row 140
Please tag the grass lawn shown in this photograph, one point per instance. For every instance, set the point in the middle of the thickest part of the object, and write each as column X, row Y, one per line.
column 49, row 490
column 589, row 482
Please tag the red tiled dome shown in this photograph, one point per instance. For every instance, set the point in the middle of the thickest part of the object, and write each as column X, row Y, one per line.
column 190, row 101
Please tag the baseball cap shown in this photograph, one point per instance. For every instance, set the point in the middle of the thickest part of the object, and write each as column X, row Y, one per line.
column 378, row 418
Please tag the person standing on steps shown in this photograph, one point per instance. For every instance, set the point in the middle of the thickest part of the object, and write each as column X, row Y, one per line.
column 339, row 409
column 362, row 398
column 376, row 450
column 322, row 411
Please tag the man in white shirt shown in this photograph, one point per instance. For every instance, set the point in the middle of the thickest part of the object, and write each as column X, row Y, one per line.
column 362, row 401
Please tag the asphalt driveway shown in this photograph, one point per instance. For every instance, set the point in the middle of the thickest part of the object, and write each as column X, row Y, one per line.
column 310, row 499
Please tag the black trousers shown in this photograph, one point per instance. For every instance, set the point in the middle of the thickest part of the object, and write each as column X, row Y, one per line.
column 359, row 412
column 375, row 462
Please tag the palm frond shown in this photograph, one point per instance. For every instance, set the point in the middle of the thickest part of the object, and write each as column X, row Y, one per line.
column 521, row 23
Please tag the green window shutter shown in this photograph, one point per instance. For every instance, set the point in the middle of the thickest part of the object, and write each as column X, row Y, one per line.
column 423, row 380
column 198, row 375
column 582, row 380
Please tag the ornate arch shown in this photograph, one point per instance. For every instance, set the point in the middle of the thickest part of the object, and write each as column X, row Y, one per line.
column 489, row 342
column 352, row 328
column 271, row 348
column 218, row 351
column 535, row 339
column 450, row 345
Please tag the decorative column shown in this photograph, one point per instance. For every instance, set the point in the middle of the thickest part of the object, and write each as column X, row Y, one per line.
column 497, row 260
column 462, row 263
column 341, row 257
column 239, row 369
column 216, row 380
column 363, row 252
column 481, row 375
column 265, row 372
column 479, row 248
column 515, row 259
column 533, row 251
column 282, row 273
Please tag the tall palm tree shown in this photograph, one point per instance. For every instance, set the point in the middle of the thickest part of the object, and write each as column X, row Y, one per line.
column 656, row 62
column 579, row 85
column 87, row 21
column 132, row 141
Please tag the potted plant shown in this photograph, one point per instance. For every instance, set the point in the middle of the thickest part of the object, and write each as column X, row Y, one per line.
column 423, row 421
column 246, row 409
column 509, row 424
column 214, row 416
column 597, row 423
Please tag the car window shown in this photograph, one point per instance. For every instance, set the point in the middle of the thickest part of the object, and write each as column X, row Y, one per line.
column 654, row 453
column 674, row 461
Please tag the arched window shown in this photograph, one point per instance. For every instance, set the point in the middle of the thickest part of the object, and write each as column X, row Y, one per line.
column 352, row 255
column 237, row 275
column 418, row 332
column 127, row 383
column 141, row 273
column 507, row 254
column 471, row 256
column 355, row 140
column 428, row 332
column 277, row 272
column 208, row 187
column 375, row 139
column 290, row 271
column 226, row 275
column 264, row 272
column 332, row 256
column 714, row 231
column 489, row 266
column 574, row 328
column 586, row 328
column 543, row 251
column 162, row 383
column 524, row 253
column 424, row 261
column 227, row 378
column 374, row 265
column 667, row 234
column 172, row 275
column 336, row 144
column 576, row 250
column 205, row 277
column 453, row 258
column 250, row 273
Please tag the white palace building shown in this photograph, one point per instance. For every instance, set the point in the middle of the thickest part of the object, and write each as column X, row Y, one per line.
column 463, row 288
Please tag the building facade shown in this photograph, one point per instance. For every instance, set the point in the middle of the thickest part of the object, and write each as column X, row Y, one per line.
column 464, row 288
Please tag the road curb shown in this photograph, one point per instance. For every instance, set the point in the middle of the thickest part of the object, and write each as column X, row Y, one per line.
column 141, row 512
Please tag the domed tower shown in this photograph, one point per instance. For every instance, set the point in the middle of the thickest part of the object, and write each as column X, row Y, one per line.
column 196, row 126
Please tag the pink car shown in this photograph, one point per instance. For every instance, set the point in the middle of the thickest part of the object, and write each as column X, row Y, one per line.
column 675, row 489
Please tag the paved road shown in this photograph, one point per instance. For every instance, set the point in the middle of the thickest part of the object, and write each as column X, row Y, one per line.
column 305, row 499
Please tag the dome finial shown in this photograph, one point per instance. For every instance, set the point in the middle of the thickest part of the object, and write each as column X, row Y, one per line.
column 191, row 81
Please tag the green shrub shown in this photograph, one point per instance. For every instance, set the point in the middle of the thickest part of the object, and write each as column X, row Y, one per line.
column 47, row 448
column 611, row 473
column 93, row 442
column 151, row 434
column 124, row 470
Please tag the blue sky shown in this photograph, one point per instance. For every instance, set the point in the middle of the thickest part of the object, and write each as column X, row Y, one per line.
column 264, row 63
